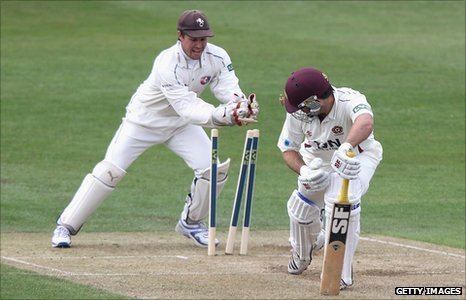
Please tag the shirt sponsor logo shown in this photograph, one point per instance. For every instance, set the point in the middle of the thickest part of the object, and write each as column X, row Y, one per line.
column 230, row 67
column 329, row 145
column 205, row 80
column 309, row 133
column 359, row 107
column 167, row 87
column 287, row 143
column 337, row 130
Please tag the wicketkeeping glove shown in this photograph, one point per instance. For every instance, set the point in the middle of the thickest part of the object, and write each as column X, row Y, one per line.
column 253, row 106
column 312, row 177
column 345, row 166
column 233, row 113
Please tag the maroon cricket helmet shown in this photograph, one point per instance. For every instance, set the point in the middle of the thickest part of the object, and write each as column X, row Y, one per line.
column 194, row 23
column 304, row 84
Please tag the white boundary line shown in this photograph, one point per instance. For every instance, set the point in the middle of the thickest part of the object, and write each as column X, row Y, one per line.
column 413, row 247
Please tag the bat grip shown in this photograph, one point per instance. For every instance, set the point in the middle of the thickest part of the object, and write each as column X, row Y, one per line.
column 343, row 195
column 350, row 153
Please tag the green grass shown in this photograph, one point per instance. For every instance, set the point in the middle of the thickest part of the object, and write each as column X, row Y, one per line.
column 69, row 68
column 20, row 284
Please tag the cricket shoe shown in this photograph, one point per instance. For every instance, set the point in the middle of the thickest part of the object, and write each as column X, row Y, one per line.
column 296, row 265
column 61, row 238
column 344, row 285
column 198, row 232
column 319, row 243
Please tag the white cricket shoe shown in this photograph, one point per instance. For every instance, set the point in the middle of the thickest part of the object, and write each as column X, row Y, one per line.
column 61, row 237
column 344, row 285
column 320, row 242
column 296, row 265
column 198, row 232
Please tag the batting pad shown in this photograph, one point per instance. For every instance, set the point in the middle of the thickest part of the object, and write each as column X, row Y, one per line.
column 109, row 173
column 305, row 224
column 94, row 189
column 89, row 196
column 197, row 203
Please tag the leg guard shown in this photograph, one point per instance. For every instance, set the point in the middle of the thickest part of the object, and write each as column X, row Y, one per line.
column 317, row 198
column 351, row 245
column 92, row 192
column 197, row 201
column 305, row 224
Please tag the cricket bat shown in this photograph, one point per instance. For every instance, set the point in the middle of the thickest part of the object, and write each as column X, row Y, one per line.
column 335, row 248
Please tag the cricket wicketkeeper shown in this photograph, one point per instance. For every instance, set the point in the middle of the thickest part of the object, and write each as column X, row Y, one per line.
column 167, row 109
column 322, row 123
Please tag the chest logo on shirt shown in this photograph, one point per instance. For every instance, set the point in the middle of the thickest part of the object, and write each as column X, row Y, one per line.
column 309, row 133
column 329, row 145
column 205, row 80
column 337, row 130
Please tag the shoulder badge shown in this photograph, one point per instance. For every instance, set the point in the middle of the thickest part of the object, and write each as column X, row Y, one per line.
column 360, row 106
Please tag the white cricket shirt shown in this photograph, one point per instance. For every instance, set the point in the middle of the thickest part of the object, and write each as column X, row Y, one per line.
column 169, row 97
column 320, row 139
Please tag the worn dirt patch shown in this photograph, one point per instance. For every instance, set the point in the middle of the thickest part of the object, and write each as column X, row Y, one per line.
column 166, row 265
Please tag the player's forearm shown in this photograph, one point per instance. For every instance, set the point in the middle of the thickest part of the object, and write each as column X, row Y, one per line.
column 293, row 160
column 360, row 130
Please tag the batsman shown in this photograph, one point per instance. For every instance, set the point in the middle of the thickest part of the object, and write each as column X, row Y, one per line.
column 322, row 124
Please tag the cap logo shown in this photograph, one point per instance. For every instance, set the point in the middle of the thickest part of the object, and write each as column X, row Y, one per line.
column 200, row 22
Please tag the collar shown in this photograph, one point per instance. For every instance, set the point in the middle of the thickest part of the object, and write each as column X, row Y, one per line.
column 185, row 61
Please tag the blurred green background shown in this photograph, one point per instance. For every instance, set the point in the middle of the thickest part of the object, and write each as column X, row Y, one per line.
column 68, row 69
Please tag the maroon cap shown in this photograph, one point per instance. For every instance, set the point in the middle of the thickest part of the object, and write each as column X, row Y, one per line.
column 303, row 84
column 194, row 23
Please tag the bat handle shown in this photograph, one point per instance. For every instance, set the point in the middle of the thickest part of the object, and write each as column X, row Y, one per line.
column 350, row 153
column 343, row 197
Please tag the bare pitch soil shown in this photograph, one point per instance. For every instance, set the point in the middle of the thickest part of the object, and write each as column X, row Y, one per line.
column 166, row 265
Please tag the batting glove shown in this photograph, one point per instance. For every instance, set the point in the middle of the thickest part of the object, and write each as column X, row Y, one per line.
column 345, row 166
column 312, row 177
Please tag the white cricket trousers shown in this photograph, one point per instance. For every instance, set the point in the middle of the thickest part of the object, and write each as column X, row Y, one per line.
column 190, row 142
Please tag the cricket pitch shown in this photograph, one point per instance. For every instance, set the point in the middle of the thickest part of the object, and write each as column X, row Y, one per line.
column 167, row 265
